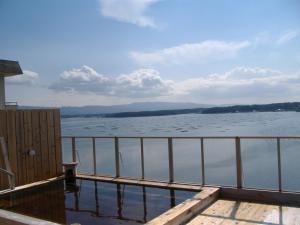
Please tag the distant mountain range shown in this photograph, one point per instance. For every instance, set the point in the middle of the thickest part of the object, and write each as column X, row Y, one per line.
column 275, row 107
column 142, row 109
column 133, row 107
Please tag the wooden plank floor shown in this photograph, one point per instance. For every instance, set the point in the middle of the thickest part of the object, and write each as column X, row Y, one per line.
column 241, row 213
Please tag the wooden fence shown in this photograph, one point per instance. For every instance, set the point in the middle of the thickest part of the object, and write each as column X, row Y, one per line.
column 34, row 145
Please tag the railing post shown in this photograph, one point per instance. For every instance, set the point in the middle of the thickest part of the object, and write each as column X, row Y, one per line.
column 74, row 150
column 202, row 162
column 239, row 170
column 142, row 158
column 94, row 156
column 279, row 165
column 117, row 157
column 171, row 165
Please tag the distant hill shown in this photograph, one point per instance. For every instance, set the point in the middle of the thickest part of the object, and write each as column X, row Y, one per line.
column 169, row 108
column 274, row 107
column 133, row 107
column 154, row 113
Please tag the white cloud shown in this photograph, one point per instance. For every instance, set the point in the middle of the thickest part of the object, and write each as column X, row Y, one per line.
column 240, row 84
column 287, row 36
column 143, row 83
column 251, row 73
column 138, row 84
column 198, row 53
column 129, row 11
column 27, row 78
column 84, row 79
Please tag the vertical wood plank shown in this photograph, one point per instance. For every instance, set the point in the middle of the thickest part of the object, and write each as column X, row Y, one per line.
column 58, row 148
column 11, row 140
column 36, row 140
column 22, row 170
column 44, row 144
column 3, row 133
column 51, row 143
column 28, row 145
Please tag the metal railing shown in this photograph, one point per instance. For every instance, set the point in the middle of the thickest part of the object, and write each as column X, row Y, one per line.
column 238, row 153
column 7, row 171
column 11, row 105
column 11, row 180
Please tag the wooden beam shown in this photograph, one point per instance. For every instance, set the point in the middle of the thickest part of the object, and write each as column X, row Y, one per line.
column 149, row 183
column 12, row 218
column 183, row 212
column 31, row 185
column 264, row 196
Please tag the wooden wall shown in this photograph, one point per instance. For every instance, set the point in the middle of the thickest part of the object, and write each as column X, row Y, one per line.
column 37, row 129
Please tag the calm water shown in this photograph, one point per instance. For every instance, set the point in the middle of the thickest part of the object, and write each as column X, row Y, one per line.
column 94, row 202
column 259, row 156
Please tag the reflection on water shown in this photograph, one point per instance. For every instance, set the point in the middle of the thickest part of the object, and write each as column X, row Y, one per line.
column 94, row 202
column 259, row 156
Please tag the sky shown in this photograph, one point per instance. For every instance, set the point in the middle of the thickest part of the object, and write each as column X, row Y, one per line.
column 107, row 52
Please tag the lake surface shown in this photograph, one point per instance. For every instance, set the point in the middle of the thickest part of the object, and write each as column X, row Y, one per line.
column 259, row 156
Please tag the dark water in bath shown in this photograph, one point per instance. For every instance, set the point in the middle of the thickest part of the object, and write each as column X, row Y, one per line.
column 93, row 202
column 259, row 156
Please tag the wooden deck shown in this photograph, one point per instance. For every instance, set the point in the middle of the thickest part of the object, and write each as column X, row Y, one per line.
column 231, row 212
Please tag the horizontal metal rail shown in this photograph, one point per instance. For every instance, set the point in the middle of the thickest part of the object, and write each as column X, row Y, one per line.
column 187, row 137
column 169, row 139
column 11, row 103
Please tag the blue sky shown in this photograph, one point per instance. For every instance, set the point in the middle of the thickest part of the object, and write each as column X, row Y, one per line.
column 79, row 52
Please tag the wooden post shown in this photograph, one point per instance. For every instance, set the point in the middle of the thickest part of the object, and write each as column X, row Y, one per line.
column 279, row 165
column 171, row 165
column 117, row 157
column 142, row 158
column 239, row 179
column 202, row 162
column 74, row 149
column 94, row 156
